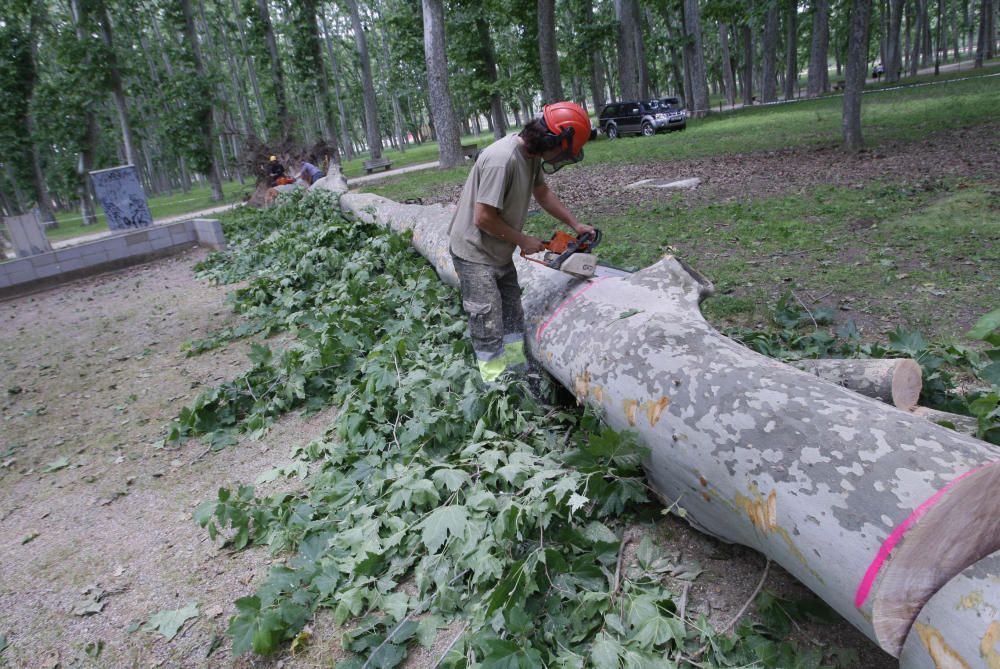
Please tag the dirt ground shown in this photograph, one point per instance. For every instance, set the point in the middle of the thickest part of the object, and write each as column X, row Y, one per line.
column 95, row 513
column 599, row 188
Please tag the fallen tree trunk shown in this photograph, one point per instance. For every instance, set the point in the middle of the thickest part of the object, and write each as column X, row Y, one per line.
column 895, row 381
column 954, row 421
column 828, row 483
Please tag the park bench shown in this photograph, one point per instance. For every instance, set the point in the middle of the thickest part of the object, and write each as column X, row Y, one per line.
column 370, row 165
column 470, row 151
column 839, row 85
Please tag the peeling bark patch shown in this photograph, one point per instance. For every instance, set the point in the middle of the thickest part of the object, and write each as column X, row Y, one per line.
column 762, row 513
column 971, row 600
column 581, row 385
column 654, row 409
column 987, row 647
column 631, row 407
column 943, row 655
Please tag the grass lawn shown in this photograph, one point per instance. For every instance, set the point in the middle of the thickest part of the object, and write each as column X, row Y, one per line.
column 162, row 206
column 907, row 114
column 883, row 254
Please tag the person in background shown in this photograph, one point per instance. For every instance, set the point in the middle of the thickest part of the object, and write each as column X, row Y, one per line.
column 310, row 173
column 486, row 228
column 275, row 170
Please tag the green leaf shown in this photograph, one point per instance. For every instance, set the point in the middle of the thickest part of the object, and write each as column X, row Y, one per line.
column 985, row 325
column 443, row 522
column 599, row 533
column 605, row 652
column 451, row 479
column 168, row 623
column 658, row 630
column 991, row 373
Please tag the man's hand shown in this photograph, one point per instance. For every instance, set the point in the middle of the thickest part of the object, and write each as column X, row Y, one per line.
column 530, row 245
column 582, row 229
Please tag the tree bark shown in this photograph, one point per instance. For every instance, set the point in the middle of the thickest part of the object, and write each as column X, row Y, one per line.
column 345, row 140
column 368, row 86
column 727, row 65
column 640, row 49
column 768, row 88
column 596, row 67
column 791, row 49
column 445, row 124
column 693, row 50
column 819, row 77
column 207, row 131
column 628, row 79
column 315, row 49
column 549, row 57
column 872, row 508
column 498, row 120
column 918, row 37
column 117, row 89
column 964, row 424
column 748, row 52
column 277, row 72
column 894, row 63
column 251, row 70
column 854, row 80
column 89, row 148
column 43, row 200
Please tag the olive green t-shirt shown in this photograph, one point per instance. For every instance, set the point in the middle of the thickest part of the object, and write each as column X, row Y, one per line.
column 503, row 177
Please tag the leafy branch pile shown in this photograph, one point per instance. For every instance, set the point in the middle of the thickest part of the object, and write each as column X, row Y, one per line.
column 432, row 506
column 958, row 379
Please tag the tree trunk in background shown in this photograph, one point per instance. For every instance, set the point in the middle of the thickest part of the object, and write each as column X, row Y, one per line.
column 596, row 66
column 549, row 57
column 246, row 118
column 397, row 113
column 207, row 131
column 498, row 120
column 918, row 37
column 345, row 139
column 43, row 199
column 953, row 17
column 89, row 148
column 368, row 86
column 117, row 89
column 727, row 65
column 315, row 49
column 445, row 124
column 768, row 87
column 627, row 64
column 277, row 72
column 640, row 49
column 894, row 62
column 791, row 49
column 857, row 66
column 819, row 76
column 693, row 50
column 747, row 33
column 927, row 49
column 251, row 73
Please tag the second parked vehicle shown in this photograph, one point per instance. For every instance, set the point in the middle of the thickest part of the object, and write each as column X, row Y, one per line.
column 642, row 118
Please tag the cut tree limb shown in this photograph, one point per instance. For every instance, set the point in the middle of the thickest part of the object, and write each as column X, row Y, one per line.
column 830, row 484
column 895, row 381
column 963, row 424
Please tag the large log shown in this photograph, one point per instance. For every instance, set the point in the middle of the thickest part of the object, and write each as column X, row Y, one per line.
column 845, row 492
column 896, row 381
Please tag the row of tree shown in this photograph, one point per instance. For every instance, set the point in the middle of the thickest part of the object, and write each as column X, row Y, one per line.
column 201, row 89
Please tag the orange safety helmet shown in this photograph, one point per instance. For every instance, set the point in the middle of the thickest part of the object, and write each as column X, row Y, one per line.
column 560, row 117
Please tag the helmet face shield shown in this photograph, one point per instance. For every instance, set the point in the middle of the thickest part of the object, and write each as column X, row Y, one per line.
column 560, row 161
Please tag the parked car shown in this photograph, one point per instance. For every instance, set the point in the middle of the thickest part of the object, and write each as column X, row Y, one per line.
column 642, row 117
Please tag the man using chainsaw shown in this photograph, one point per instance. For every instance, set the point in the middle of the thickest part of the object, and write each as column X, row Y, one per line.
column 487, row 226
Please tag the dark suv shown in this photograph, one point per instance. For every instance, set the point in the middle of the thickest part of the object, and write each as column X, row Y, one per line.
column 642, row 117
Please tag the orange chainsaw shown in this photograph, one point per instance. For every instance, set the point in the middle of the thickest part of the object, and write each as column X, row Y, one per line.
column 570, row 254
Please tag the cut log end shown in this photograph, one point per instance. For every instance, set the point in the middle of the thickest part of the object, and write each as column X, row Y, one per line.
column 907, row 380
column 959, row 529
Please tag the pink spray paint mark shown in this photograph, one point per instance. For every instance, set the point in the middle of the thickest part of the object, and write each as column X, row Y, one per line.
column 541, row 328
column 864, row 588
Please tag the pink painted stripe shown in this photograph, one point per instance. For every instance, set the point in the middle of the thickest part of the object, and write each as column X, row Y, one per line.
column 864, row 588
column 541, row 328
